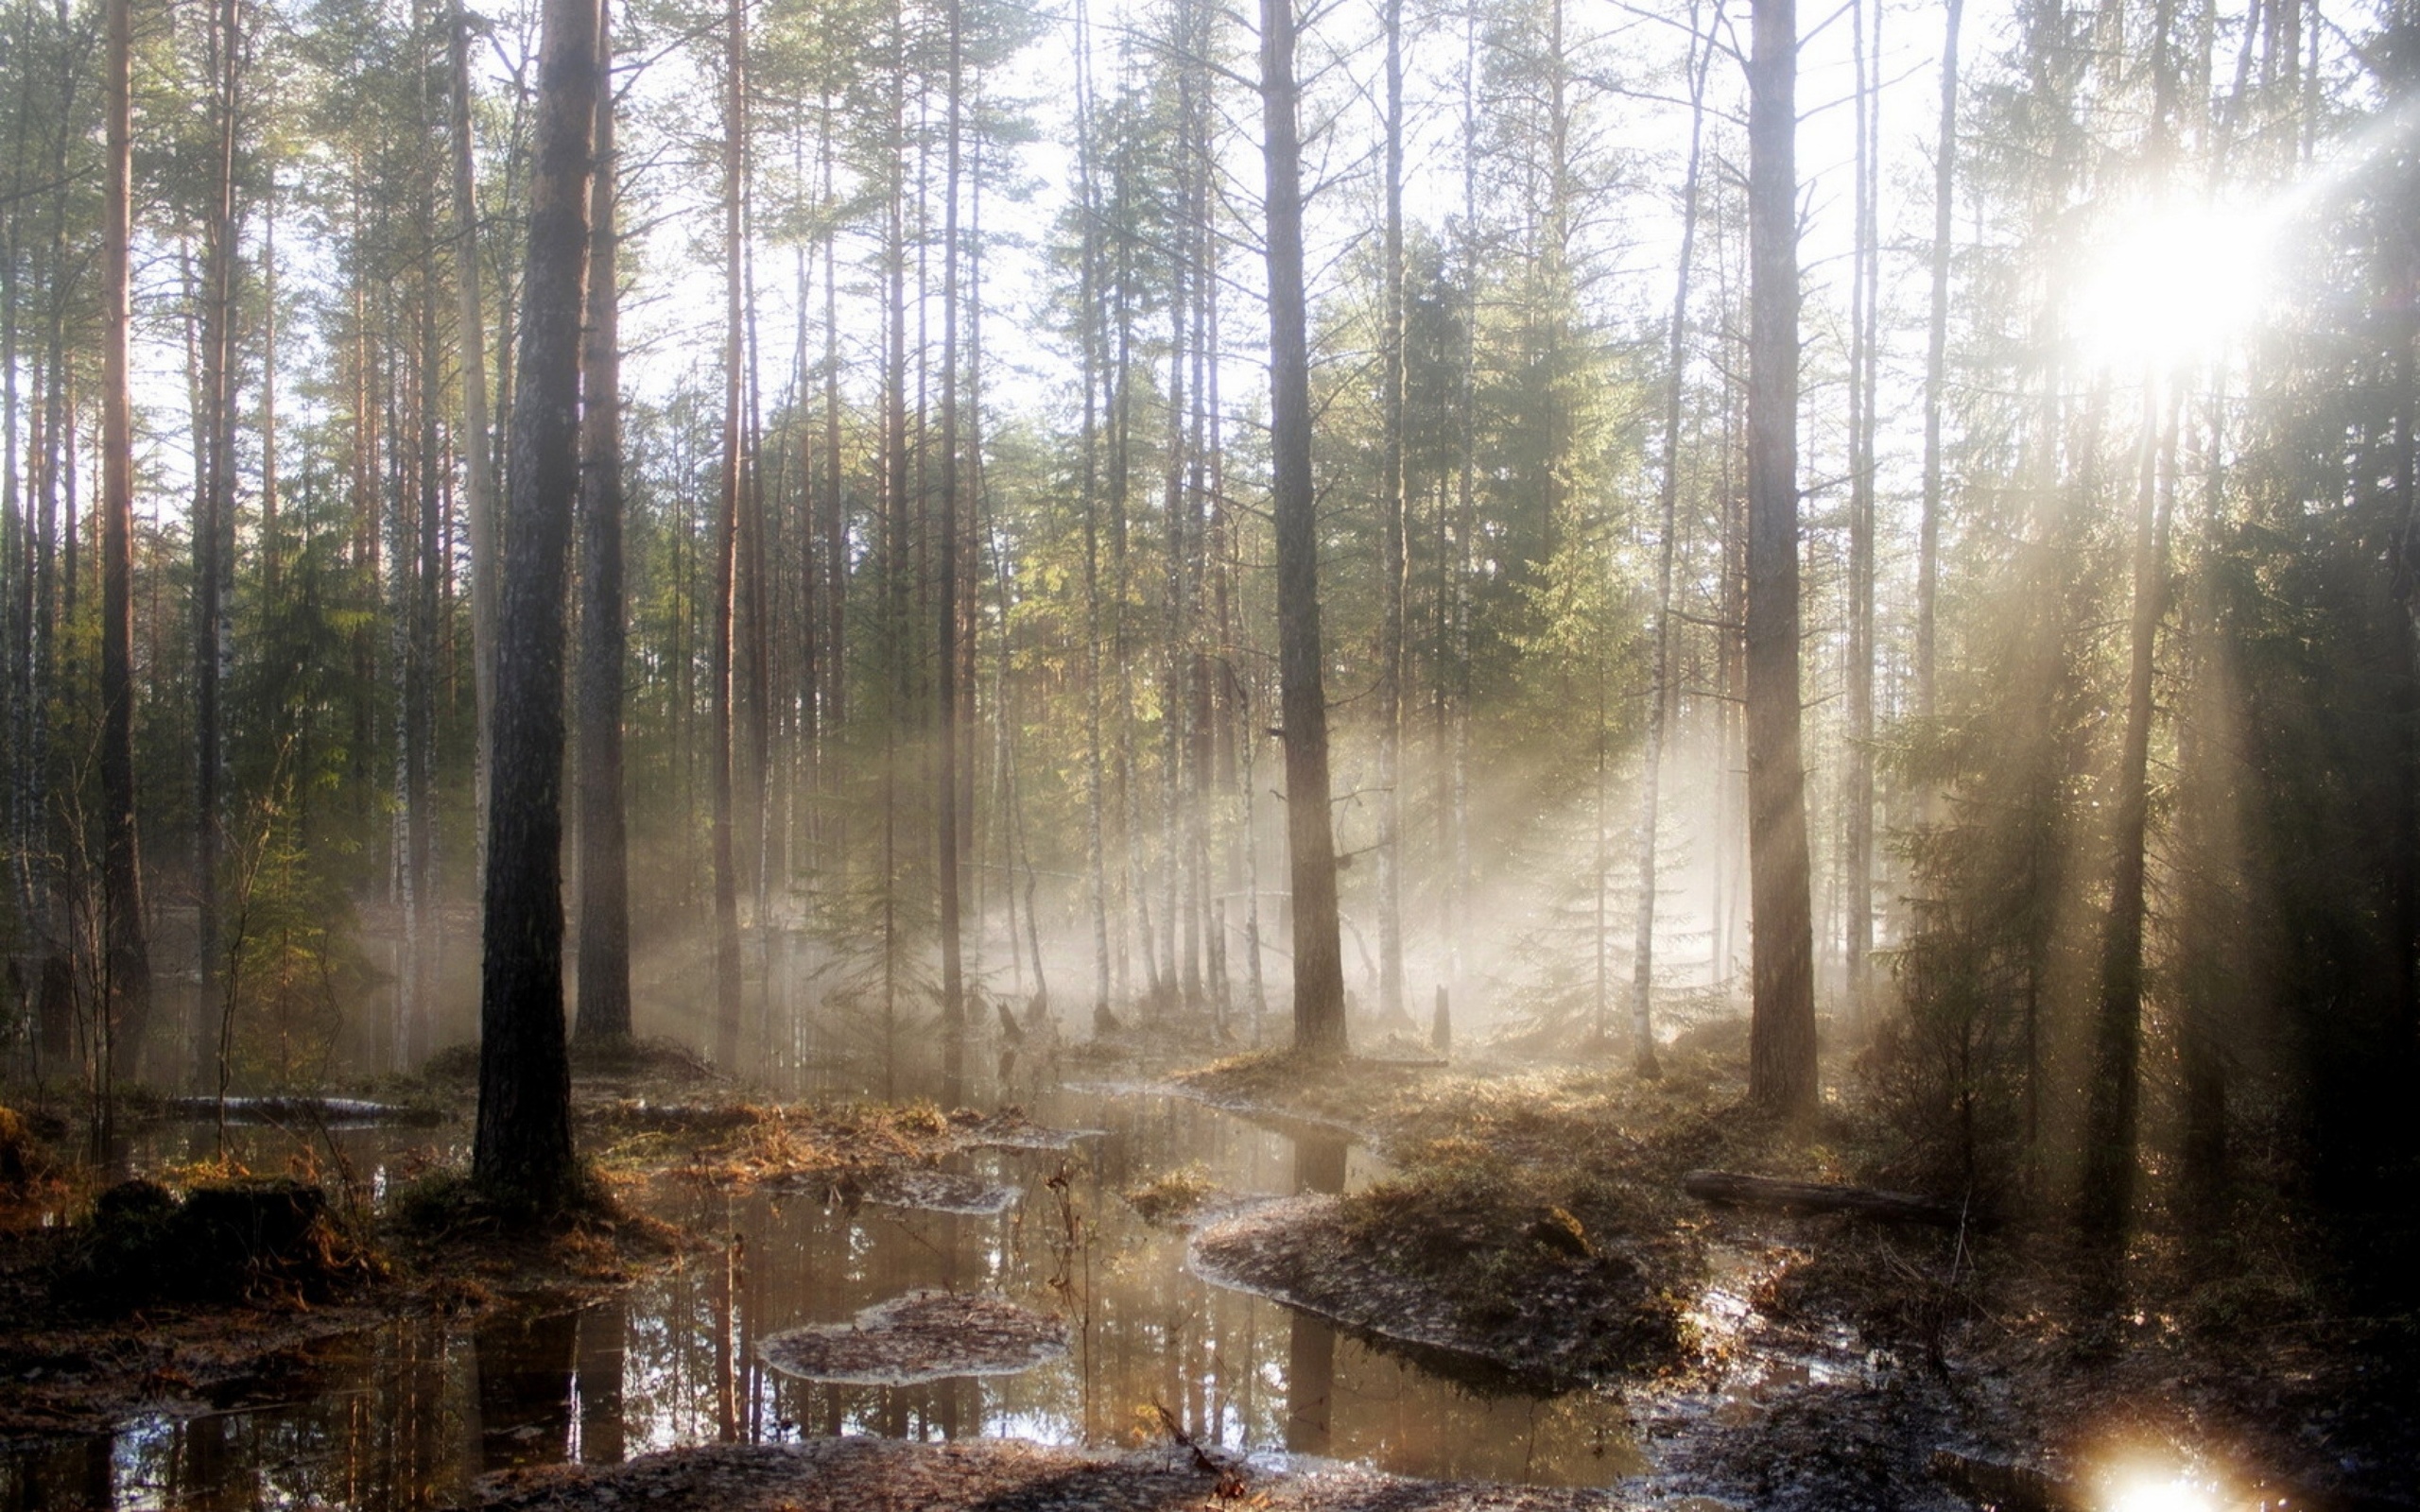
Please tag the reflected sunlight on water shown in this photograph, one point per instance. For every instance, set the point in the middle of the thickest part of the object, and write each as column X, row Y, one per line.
column 409, row 1414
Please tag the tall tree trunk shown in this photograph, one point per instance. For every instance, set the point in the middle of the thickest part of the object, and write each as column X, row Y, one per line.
column 892, row 526
column 1095, row 839
column 523, row 1152
column 1457, row 891
column 947, row 858
column 421, row 729
column 126, row 1007
column 727, row 531
column 1394, row 551
column 1310, row 837
column 213, row 532
column 604, row 864
column 477, row 453
column 1944, row 171
column 836, row 504
column 1781, row 1055
column 2111, row 1112
column 1642, row 986
column 1857, row 860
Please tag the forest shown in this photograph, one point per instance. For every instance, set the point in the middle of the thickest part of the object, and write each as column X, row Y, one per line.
column 1372, row 754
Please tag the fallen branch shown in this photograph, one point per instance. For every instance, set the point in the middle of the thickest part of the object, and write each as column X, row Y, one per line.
column 1813, row 1196
column 1230, row 1481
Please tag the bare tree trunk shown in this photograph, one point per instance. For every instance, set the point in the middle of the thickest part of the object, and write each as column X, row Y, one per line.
column 1865, row 357
column 1642, row 1024
column 420, row 743
column 2111, row 1112
column 1393, row 553
column 604, row 866
column 523, row 1152
column 126, row 1011
column 477, row 458
column 836, row 518
column 1457, row 892
column 1319, row 961
column 1944, row 172
column 727, row 531
column 1781, row 1055
column 1095, row 839
column 213, row 529
column 947, row 858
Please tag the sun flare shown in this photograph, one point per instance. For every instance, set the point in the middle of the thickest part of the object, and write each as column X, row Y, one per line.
column 2170, row 283
column 2145, row 1488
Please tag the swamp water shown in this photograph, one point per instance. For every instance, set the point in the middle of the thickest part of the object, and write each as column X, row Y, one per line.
column 409, row 1414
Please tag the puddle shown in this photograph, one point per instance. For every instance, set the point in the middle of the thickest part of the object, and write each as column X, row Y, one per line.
column 409, row 1414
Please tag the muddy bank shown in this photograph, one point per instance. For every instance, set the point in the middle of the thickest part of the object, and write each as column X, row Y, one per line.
column 1594, row 1316
column 98, row 1320
column 211, row 1300
column 856, row 1475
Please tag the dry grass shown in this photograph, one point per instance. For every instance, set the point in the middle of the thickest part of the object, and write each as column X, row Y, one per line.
column 1172, row 1195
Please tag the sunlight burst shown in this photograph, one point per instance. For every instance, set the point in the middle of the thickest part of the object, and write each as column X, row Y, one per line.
column 2170, row 283
column 2150, row 1488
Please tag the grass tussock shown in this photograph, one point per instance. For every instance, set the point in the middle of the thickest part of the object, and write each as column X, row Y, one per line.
column 247, row 1241
column 1172, row 1195
column 742, row 1144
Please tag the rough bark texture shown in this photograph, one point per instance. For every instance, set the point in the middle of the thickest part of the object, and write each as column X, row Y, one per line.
column 1310, row 838
column 523, row 1153
column 604, row 864
column 1781, row 1055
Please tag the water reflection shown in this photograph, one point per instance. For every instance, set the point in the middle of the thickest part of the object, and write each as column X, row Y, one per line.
column 598, row 1381
column 408, row 1415
column 526, row 1360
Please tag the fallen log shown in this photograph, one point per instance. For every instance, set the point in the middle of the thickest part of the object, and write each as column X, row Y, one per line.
column 1733, row 1188
column 288, row 1110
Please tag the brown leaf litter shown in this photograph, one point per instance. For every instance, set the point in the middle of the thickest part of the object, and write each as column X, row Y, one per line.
column 919, row 1337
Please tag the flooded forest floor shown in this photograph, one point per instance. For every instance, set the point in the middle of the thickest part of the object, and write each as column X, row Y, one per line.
column 1395, row 1283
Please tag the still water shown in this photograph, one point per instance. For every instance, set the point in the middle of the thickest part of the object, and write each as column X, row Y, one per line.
column 409, row 1414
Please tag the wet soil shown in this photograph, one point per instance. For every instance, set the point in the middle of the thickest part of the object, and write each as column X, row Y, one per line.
column 1530, row 1218
column 859, row 1474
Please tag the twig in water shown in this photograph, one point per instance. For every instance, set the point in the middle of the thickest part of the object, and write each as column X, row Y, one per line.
column 1230, row 1481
